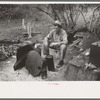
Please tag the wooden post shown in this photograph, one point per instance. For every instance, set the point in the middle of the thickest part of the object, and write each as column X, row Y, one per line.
column 33, row 27
column 23, row 24
column 29, row 30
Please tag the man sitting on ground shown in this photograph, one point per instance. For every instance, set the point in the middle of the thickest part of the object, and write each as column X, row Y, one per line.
column 56, row 39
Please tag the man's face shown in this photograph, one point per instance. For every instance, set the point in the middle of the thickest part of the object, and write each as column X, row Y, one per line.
column 57, row 28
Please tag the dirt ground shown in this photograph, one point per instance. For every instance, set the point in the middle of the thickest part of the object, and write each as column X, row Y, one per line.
column 7, row 72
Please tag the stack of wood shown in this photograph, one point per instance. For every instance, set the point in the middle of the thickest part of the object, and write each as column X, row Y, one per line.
column 81, row 59
column 7, row 51
column 3, row 53
column 85, row 66
column 77, row 70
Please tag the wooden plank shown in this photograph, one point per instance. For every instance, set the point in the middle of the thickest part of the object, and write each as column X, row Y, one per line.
column 74, row 73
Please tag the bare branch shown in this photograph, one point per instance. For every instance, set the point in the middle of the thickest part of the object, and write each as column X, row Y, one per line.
column 93, row 16
column 83, row 17
column 13, row 13
column 40, row 9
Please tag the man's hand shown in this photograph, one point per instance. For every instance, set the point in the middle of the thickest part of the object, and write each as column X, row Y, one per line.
column 55, row 45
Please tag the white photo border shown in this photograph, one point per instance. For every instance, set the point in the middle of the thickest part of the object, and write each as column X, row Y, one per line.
column 40, row 90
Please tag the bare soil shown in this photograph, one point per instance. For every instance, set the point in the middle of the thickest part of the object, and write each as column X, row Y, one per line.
column 13, row 31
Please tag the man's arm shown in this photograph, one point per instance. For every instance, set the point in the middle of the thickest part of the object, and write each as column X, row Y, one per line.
column 47, row 38
column 64, row 39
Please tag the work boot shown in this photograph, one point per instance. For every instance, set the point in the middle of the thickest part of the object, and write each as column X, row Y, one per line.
column 60, row 64
column 44, row 74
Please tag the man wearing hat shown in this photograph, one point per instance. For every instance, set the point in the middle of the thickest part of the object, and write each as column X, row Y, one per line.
column 56, row 39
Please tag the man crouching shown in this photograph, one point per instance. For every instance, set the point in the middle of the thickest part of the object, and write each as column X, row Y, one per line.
column 56, row 39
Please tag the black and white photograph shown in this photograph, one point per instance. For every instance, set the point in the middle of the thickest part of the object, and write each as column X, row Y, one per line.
column 49, row 49
column 50, row 42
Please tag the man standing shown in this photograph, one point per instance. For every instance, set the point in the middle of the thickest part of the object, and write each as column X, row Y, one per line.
column 56, row 39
